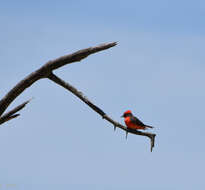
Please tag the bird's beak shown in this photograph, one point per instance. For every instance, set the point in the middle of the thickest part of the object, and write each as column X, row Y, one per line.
column 122, row 116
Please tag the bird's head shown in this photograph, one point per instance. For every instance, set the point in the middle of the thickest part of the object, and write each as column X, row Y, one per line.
column 127, row 113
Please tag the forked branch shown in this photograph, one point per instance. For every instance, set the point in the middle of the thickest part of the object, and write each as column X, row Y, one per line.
column 12, row 114
column 46, row 71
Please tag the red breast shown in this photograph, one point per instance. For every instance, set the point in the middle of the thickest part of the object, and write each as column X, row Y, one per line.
column 132, row 125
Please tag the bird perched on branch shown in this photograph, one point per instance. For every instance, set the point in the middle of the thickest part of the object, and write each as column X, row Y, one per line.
column 133, row 122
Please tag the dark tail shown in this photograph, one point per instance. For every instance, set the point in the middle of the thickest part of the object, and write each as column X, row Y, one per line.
column 147, row 126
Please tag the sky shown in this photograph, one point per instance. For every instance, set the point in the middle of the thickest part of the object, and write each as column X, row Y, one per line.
column 156, row 70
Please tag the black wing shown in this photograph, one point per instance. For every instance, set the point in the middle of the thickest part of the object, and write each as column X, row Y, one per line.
column 136, row 121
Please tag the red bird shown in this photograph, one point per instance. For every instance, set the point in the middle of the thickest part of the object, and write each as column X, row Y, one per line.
column 133, row 122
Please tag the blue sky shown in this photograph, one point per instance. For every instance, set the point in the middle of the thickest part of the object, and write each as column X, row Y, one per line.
column 157, row 71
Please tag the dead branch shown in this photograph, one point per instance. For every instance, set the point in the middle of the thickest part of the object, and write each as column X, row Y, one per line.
column 46, row 69
column 80, row 95
column 46, row 72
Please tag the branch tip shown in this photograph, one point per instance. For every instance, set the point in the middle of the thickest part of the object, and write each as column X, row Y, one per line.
column 126, row 134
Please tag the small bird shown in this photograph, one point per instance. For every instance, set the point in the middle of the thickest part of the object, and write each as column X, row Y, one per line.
column 133, row 122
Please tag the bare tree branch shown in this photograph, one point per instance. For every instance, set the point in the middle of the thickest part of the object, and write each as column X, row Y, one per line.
column 46, row 72
column 46, row 69
column 80, row 95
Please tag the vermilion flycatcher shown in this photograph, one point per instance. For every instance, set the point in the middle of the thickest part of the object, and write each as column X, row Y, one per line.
column 133, row 122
